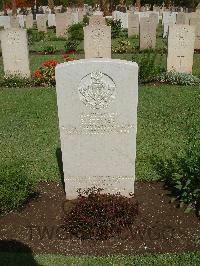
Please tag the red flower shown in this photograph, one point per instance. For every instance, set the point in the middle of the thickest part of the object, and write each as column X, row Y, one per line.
column 38, row 73
column 65, row 56
column 50, row 63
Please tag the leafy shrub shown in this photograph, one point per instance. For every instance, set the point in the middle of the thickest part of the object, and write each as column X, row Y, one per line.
column 181, row 174
column 122, row 46
column 98, row 216
column 116, row 27
column 15, row 187
column 35, row 36
column 150, row 67
column 49, row 49
column 71, row 45
column 14, row 81
column 45, row 75
column 176, row 78
column 76, row 32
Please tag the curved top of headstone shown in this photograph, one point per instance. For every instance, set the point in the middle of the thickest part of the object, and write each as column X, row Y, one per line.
column 97, row 60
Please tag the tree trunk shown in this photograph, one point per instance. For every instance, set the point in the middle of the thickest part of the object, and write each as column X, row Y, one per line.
column 4, row 8
column 14, row 8
column 51, row 5
column 138, row 3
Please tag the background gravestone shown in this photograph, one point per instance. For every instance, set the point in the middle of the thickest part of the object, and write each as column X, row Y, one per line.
column 97, row 109
column 14, row 22
column 97, row 20
column 29, row 21
column 133, row 25
column 97, row 42
column 63, row 21
column 196, row 23
column 42, row 23
column 180, row 48
column 17, row 61
column 147, row 34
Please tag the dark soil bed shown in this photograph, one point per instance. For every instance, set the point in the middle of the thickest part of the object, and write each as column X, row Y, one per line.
column 160, row 226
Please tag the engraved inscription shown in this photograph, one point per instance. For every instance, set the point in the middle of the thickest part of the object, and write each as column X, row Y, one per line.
column 97, row 90
column 99, row 123
column 13, row 37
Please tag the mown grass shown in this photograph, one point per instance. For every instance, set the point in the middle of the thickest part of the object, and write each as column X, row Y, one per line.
column 29, row 127
column 184, row 259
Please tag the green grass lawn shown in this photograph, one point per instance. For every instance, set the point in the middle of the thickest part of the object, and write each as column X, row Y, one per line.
column 185, row 259
column 29, row 127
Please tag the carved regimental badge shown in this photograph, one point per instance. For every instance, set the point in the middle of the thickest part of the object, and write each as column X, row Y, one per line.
column 97, row 90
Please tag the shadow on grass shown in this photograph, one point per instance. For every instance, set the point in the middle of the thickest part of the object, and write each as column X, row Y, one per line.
column 60, row 166
column 15, row 253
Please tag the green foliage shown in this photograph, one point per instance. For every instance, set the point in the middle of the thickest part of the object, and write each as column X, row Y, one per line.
column 85, row 20
column 35, row 36
column 15, row 187
column 14, row 81
column 176, row 78
column 71, row 45
column 181, row 173
column 149, row 66
column 76, row 32
column 116, row 28
column 122, row 46
column 49, row 49
column 98, row 216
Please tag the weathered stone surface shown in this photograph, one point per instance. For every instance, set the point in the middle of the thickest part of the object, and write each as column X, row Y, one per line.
column 147, row 34
column 63, row 21
column 15, row 52
column 196, row 23
column 42, row 23
column 169, row 19
column 133, row 25
column 51, row 20
column 14, row 22
column 97, row 20
column 180, row 48
column 182, row 18
column 97, row 42
column 97, row 109
column 29, row 21
column 5, row 22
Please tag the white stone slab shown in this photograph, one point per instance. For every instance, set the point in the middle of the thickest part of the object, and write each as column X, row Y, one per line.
column 180, row 48
column 15, row 52
column 51, row 20
column 97, row 41
column 97, row 109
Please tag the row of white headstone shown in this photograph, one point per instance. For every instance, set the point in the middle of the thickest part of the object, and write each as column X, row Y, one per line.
column 97, row 44
column 41, row 19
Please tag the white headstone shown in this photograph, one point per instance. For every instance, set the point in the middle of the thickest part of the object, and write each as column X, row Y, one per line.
column 63, row 21
column 97, row 41
column 97, row 109
column 29, row 21
column 147, row 34
column 21, row 20
column 15, row 52
column 180, row 48
column 196, row 23
column 169, row 19
column 97, row 20
column 5, row 22
column 133, row 25
column 51, row 20
column 41, row 22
